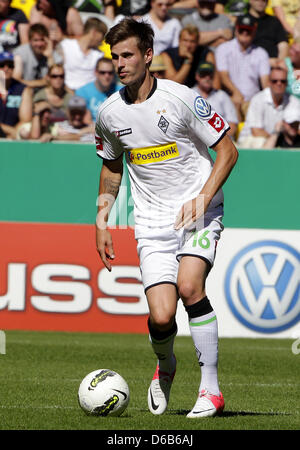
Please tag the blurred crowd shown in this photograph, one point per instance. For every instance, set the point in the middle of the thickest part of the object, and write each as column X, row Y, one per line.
column 243, row 56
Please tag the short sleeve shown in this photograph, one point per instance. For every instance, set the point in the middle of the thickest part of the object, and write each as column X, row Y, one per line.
column 107, row 144
column 202, row 120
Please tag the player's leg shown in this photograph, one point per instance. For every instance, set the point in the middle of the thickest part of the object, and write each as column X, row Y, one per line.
column 204, row 331
column 159, row 268
column 162, row 301
column 196, row 258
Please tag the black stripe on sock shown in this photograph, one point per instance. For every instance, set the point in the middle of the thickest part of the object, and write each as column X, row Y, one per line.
column 198, row 309
column 161, row 335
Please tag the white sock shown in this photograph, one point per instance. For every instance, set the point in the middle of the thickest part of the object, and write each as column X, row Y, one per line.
column 204, row 332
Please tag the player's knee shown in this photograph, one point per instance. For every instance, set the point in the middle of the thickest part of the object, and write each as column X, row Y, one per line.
column 162, row 321
column 189, row 292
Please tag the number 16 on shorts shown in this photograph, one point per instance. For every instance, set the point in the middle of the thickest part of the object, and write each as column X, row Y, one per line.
column 201, row 240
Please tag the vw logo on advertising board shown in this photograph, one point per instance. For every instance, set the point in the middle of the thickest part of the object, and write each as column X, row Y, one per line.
column 262, row 286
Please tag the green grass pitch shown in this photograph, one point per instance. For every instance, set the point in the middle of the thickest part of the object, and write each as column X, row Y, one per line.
column 41, row 371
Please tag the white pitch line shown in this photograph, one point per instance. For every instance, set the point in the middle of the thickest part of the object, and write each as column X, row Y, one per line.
column 262, row 384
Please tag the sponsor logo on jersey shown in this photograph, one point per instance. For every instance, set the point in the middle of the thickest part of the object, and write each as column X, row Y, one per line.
column 216, row 122
column 202, row 108
column 120, row 133
column 163, row 124
column 155, row 154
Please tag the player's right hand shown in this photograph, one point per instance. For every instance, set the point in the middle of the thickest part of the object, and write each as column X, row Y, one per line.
column 105, row 247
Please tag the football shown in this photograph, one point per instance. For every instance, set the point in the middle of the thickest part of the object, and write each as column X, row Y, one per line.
column 103, row 392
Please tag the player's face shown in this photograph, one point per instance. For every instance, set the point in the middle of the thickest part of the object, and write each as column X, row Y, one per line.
column 129, row 62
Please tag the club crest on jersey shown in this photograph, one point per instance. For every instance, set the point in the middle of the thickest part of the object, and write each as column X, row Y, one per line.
column 202, row 108
column 163, row 124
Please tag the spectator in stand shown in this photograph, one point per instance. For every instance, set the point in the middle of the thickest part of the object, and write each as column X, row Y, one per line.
column 15, row 100
column 105, row 8
column 59, row 17
column 74, row 129
column 166, row 29
column 133, row 8
column 157, row 67
column 41, row 127
column 266, row 110
column 214, row 28
column 98, row 91
column 218, row 99
column 292, row 63
column 286, row 134
column 244, row 68
column 33, row 59
column 270, row 33
column 14, row 26
column 55, row 93
column 181, row 62
column 288, row 12
column 233, row 8
column 81, row 55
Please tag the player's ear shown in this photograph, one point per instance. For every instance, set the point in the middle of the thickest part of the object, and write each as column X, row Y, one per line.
column 148, row 56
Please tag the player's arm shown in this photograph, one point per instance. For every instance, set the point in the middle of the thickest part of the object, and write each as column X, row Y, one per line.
column 226, row 159
column 110, row 180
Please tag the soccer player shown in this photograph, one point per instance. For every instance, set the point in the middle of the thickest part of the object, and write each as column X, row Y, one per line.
column 164, row 129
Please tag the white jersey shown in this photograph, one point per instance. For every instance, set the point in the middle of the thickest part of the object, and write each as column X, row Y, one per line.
column 165, row 140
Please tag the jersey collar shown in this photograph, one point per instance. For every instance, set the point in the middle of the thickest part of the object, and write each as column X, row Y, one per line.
column 126, row 96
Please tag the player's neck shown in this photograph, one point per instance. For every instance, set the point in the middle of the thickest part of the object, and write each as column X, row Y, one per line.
column 140, row 92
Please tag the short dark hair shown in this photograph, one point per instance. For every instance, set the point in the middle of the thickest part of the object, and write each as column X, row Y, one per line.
column 38, row 28
column 128, row 28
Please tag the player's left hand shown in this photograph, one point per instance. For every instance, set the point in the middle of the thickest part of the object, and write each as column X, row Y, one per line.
column 190, row 212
